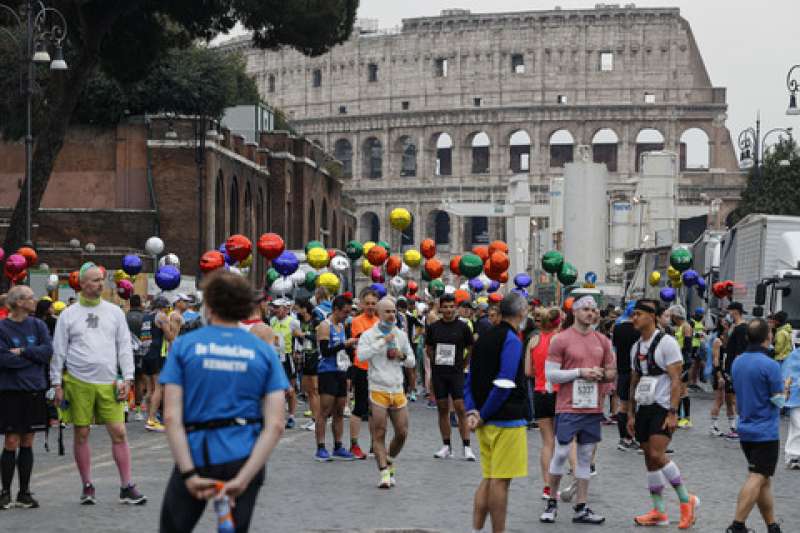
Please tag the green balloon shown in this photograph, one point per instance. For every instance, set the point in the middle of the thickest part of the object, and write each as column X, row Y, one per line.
column 311, row 280
column 680, row 259
column 552, row 262
column 272, row 275
column 313, row 244
column 568, row 274
column 425, row 275
column 436, row 287
column 354, row 250
column 385, row 246
column 470, row 266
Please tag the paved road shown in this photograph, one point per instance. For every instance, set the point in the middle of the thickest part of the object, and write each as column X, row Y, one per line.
column 302, row 495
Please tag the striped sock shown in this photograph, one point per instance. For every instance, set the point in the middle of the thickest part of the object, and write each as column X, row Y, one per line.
column 655, row 482
column 673, row 475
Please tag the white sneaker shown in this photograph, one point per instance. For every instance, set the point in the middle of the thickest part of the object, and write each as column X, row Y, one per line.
column 444, row 453
column 468, row 454
column 346, row 413
column 139, row 416
column 310, row 426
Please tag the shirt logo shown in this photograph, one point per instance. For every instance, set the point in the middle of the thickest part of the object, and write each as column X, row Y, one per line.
column 92, row 321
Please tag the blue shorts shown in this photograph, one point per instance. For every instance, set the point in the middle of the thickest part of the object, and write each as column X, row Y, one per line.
column 586, row 428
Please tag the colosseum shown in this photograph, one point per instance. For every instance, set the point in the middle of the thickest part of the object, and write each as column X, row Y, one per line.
column 449, row 107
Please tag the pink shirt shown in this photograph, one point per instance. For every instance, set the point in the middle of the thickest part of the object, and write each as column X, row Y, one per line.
column 573, row 349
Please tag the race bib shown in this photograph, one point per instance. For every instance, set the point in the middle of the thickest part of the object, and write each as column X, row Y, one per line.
column 342, row 360
column 646, row 390
column 308, row 346
column 584, row 394
column 445, row 354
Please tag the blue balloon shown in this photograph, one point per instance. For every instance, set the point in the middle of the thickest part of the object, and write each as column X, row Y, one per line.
column 286, row 264
column 521, row 292
column 494, row 286
column 690, row 277
column 224, row 251
column 701, row 285
column 132, row 264
column 168, row 278
column 522, row 280
column 476, row 285
column 667, row 294
column 590, row 277
column 379, row 288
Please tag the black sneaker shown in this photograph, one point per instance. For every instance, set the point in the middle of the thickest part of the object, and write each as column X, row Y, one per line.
column 26, row 501
column 87, row 496
column 5, row 500
column 732, row 529
column 587, row 516
column 774, row 528
column 131, row 496
column 550, row 512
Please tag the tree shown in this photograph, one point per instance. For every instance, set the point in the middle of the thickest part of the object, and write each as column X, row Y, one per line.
column 123, row 39
column 772, row 189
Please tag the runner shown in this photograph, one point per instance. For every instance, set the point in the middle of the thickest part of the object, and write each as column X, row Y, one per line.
column 332, row 376
column 783, row 336
column 497, row 400
column 224, row 409
column 790, row 368
column 159, row 326
column 286, row 328
column 387, row 350
column 309, row 354
column 91, row 342
column 760, row 393
column 684, row 335
column 655, row 386
column 580, row 360
column 407, row 322
column 447, row 340
column 323, row 307
column 736, row 345
column 723, row 387
column 623, row 336
column 698, row 341
column 25, row 352
column 255, row 324
column 358, row 372
column 135, row 319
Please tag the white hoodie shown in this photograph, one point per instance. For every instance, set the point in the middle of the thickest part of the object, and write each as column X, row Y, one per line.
column 385, row 375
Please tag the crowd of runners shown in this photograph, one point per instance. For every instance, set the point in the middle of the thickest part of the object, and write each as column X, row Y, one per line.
column 225, row 377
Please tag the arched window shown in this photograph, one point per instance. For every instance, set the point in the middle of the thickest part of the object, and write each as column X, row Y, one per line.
column 323, row 222
column 604, row 148
column 219, row 210
column 312, row 222
column 233, row 202
column 260, row 229
column 444, row 155
column 648, row 140
column 520, row 151
column 343, row 151
column 695, row 150
column 271, row 83
column 408, row 156
column 480, row 153
column 336, row 238
column 407, row 238
column 373, row 158
column 562, row 147
column 248, row 212
column 441, row 227
column 370, row 227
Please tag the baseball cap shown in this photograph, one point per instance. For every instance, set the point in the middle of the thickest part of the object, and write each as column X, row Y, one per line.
column 159, row 302
column 283, row 302
column 736, row 306
column 182, row 296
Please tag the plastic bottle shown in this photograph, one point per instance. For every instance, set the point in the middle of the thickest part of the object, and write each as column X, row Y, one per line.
column 222, row 507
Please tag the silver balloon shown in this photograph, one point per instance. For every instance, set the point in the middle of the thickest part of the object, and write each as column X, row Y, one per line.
column 405, row 271
column 154, row 246
column 298, row 278
column 449, row 289
column 397, row 285
column 464, row 286
column 171, row 260
column 90, row 248
column 44, row 267
column 235, row 270
column 339, row 264
column 281, row 286
column 52, row 282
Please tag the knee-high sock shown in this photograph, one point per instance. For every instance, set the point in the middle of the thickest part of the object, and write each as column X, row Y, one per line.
column 7, row 462
column 686, row 404
column 25, row 467
column 622, row 425
column 655, row 482
column 673, row 475
column 83, row 458
column 122, row 456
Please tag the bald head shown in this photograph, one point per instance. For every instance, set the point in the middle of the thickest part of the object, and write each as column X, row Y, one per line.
column 92, row 282
column 386, row 309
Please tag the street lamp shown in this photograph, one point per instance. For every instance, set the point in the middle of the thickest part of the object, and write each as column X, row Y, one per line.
column 793, row 85
column 753, row 147
column 34, row 20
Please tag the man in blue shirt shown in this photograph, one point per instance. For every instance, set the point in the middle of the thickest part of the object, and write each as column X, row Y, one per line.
column 224, row 391
column 759, row 399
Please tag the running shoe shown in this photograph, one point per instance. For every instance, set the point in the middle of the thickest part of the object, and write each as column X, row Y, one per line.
column 357, row 452
column 154, row 425
column 587, row 516
column 25, row 500
column 138, row 416
column 443, row 453
column 689, row 512
column 310, row 426
column 794, row 464
column 716, row 432
column 347, row 412
column 653, row 518
column 322, row 456
column 5, row 500
column 550, row 512
column 592, row 470
column 546, row 493
column 290, row 423
column 385, row 479
column 392, row 475
column 732, row 435
column 131, row 495
column 732, row 529
column 688, row 424
column 341, row 454
column 87, row 496
column 431, row 404
column 307, row 414
column 683, row 422
column 412, row 397
column 533, row 425
column 567, row 494
column 627, row 446
column 468, row 454
column 774, row 528
column 608, row 421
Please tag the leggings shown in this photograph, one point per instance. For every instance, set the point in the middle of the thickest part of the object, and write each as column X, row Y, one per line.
column 180, row 511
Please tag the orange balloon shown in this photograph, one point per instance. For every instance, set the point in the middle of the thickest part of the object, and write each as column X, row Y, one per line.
column 498, row 246
column 495, row 297
column 482, row 252
column 434, row 268
column 454, row 265
column 461, row 296
column 377, row 255
column 492, row 273
column 499, row 261
column 427, row 248
column 393, row 265
column 568, row 303
column 29, row 254
column 503, row 278
column 75, row 280
column 20, row 277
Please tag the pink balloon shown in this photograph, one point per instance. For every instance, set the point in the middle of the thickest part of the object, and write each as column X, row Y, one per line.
column 124, row 289
column 2, row 254
column 377, row 275
column 15, row 264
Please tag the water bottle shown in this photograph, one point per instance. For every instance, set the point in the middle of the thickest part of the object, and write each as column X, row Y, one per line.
column 222, row 507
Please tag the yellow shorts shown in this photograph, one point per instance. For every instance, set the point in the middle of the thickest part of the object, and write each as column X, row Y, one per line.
column 90, row 403
column 504, row 452
column 388, row 400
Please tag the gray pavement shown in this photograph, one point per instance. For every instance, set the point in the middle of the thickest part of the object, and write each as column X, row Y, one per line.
column 432, row 495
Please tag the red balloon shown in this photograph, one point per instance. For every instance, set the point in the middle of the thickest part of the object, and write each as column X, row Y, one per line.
column 454, row 265
column 29, row 254
column 393, row 265
column 434, row 268
column 427, row 248
column 377, row 255
column 568, row 303
column 212, row 260
column 75, row 280
column 461, row 296
column 412, row 287
column 498, row 246
column 270, row 246
column 482, row 252
column 503, row 277
column 331, row 253
column 490, row 272
column 19, row 278
column 499, row 262
column 238, row 247
column 495, row 297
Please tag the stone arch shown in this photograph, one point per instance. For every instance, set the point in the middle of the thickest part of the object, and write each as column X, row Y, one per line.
column 261, row 228
column 369, row 227
column 605, row 148
column 695, row 149
column 233, row 206
column 219, row 210
column 248, row 211
column 323, row 224
column 443, row 144
column 312, row 222
column 480, row 145
column 439, row 224
column 648, row 140
column 406, row 151
column 519, row 151
column 562, row 148
column 343, row 151
column 373, row 158
column 407, row 235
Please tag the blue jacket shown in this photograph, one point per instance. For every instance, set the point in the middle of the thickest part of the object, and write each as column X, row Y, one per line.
column 28, row 370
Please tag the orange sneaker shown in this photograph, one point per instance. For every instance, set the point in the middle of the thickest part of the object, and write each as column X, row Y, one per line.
column 688, row 512
column 653, row 518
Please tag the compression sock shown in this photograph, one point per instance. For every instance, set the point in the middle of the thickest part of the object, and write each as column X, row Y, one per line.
column 673, row 475
column 25, row 467
column 655, row 482
column 686, row 403
column 353, row 443
column 321, row 445
column 122, row 456
column 83, row 459
column 715, row 422
column 466, row 443
column 336, row 445
column 7, row 462
column 446, row 442
column 622, row 425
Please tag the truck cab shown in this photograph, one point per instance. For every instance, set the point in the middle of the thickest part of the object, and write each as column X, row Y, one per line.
column 781, row 293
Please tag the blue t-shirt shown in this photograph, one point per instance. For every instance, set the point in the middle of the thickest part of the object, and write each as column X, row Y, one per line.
column 337, row 336
column 756, row 379
column 225, row 373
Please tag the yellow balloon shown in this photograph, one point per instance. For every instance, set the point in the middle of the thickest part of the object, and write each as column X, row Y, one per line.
column 654, row 279
column 412, row 258
column 483, row 300
column 329, row 281
column 366, row 268
column 59, row 306
column 119, row 275
column 45, row 299
column 673, row 274
column 677, row 283
column 318, row 257
column 367, row 245
column 247, row 262
column 400, row 218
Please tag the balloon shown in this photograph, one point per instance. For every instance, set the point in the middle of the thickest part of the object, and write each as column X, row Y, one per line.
column 286, row 263
column 499, row 261
column 52, row 282
column 568, row 303
column 238, row 247
column 377, row 255
column 522, row 280
column 476, row 285
column 491, row 274
column 132, row 264
column 495, row 298
column 590, row 278
column 170, row 259
column 168, row 278
column 2, row 254
column 427, row 248
column 310, row 281
column 339, row 264
column 272, row 276
column 75, row 280
column 673, row 273
column 412, row 258
column 434, row 269
column 329, row 281
column 281, row 286
column 521, row 292
column 690, row 277
column 317, row 257
column 154, row 246
column 461, row 296
column 124, row 289
column 298, row 278
column 29, row 254
column 399, row 218
column 470, row 265
column 19, row 278
column 552, row 262
column 654, row 278
column 498, row 246
column 404, row 270
column 211, row 260
column 331, row 253
column 224, row 251
column 680, row 259
column 59, row 306
column 393, row 265
column 436, row 288
column 701, row 285
column 675, row 283
column 119, row 275
column 367, row 246
column 667, row 294
column 482, row 252
column 377, row 275
column 568, row 274
column 494, row 286
column 366, row 267
column 385, row 246
column 313, row 244
column 503, row 278
column 15, row 264
column 454, row 265
column 379, row 288
column 247, row 262
column 270, row 246
column 397, row 285
column 354, row 250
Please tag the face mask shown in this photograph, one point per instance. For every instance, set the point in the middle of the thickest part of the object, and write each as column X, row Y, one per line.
column 729, row 319
column 386, row 325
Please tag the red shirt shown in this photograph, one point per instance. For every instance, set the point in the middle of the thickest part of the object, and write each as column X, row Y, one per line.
column 538, row 357
column 359, row 325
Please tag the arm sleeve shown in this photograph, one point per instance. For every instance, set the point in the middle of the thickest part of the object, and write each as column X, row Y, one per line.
column 124, row 349
column 42, row 352
column 469, row 401
column 510, row 358
column 60, row 344
column 554, row 374
column 370, row 346
column 329, row 350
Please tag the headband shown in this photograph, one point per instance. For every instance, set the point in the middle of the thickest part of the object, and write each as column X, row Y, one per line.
column 644, row 306
column 585, row 302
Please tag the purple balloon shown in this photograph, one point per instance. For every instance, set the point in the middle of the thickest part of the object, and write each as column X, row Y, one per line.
column 522, row 280
column 131, row 264
column 224, row 251
column 16, row 263
column 476, row 285
column 690, row 277
column 701, row 284
column 521, row 292
column 168, row 278
column 667, row 294
column 494, row 286
column 286, row 264
column 379, row 288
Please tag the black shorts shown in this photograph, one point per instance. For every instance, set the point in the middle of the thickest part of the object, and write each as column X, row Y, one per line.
column 360, row 392
column 288, row 368
column 544, row 405
column 762, row 457
column 650, row 421
column 449, row 384
column 624, row 386
column 332, row 383
column 310, row 364
column 22, row 412
column 151, row 366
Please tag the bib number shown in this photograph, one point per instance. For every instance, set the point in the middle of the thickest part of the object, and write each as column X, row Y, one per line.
column 342, row 361
column 584, row 394
column 445, row 354
column 646, row 391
